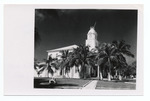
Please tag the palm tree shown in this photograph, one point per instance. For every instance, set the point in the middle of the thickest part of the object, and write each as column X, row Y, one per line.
column 83, row 57
column 130, row 70
column 99, row 60
column 122, row 49
column 120, row 65
column 133, row 68
column 65, row 62
column 49, row 63
column 35, row 67
column 108, row 55
column 38, row 68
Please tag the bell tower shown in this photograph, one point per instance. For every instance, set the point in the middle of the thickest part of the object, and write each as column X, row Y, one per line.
column 92, row 38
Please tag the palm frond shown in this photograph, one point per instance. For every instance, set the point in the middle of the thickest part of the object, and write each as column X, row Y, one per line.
column 128, row 53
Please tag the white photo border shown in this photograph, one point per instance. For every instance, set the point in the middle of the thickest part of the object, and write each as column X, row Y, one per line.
column 19, row 50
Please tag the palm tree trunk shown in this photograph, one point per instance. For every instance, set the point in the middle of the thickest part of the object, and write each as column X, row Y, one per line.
column 47, row 71
column 98, row 76
column 99, row 73
column 120, row 77
column 109, row 76
column 90, row 72
column 116, row 74
column 63, row 73
column 84, row 72
column 101, row 76
column 109, row 71
column 68, row 75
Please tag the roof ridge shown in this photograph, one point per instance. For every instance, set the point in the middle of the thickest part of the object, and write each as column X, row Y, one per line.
column 63, row 48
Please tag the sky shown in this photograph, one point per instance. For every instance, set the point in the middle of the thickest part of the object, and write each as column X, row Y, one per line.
column 63, row 27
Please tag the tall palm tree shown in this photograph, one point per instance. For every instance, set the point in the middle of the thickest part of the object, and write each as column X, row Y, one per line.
column 99, row 60
column 83, row 57
column 122, row 49
column 120, row 65
column 108, row 55
column 65, row 62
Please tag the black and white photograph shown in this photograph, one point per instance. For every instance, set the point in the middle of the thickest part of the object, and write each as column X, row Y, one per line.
column 73, row 49
column 92, row 49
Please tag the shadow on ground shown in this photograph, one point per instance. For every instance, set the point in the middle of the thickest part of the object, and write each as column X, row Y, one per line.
column 47, row 85
column 62, row 83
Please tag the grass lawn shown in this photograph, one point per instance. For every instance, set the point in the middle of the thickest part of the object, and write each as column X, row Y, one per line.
column 62, row 83
column 116, row 85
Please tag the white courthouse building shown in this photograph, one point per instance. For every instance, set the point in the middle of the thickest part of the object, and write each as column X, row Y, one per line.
column 90, row 41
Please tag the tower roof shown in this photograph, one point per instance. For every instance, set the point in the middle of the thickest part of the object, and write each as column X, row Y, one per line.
column 92, row 30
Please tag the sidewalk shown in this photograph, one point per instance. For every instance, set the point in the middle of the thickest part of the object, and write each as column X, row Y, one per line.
column 91, row 85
